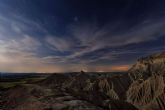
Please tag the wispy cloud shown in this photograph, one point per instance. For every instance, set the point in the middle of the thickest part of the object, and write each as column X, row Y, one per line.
column 13, row 49
column 60, row 44
column 92, row 39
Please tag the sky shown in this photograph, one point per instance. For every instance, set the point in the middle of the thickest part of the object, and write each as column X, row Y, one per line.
column 75, row 35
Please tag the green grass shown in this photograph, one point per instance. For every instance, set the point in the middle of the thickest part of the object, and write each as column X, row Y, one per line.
column 7, row 85
column 33, row 80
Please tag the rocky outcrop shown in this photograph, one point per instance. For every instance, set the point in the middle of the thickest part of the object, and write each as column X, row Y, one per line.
column 147, row 66
column 147, row 90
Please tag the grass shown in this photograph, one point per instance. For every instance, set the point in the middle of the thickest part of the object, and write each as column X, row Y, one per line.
column 7, row 85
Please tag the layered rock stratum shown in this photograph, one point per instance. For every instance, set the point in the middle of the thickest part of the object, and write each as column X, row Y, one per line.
column 147, row 90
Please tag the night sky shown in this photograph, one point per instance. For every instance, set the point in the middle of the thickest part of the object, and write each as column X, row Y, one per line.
column 75, row 35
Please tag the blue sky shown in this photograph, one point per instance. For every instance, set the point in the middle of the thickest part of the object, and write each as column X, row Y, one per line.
column 74, row 35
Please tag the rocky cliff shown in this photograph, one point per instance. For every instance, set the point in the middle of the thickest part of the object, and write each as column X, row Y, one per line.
column 147, row 91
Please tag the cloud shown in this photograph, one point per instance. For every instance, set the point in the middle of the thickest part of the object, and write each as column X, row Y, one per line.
column 59, row 43
column 89, row 43
column 15, row 25
column 17, row 52
column 27, row 43
column 20, row 55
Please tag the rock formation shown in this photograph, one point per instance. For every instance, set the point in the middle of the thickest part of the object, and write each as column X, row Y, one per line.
column 142, row 88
